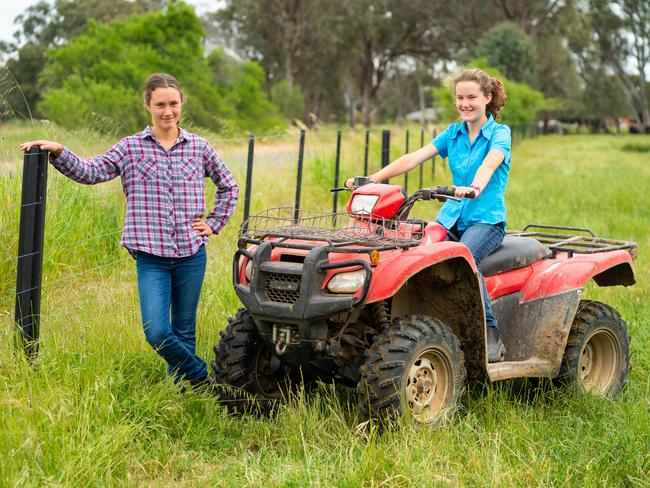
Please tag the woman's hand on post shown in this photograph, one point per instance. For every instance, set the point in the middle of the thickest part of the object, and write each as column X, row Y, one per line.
column 201, row 227
column 50, row 146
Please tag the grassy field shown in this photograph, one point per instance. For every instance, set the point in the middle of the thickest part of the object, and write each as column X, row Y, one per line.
column 97, row 409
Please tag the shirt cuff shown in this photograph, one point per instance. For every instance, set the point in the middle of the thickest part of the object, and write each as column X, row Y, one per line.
column 214, row 224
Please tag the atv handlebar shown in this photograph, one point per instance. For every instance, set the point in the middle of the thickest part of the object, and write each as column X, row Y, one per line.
column 435, row 192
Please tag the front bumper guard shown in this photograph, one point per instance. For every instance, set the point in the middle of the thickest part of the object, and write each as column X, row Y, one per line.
column 313, row 302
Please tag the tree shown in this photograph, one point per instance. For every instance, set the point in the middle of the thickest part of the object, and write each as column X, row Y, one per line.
column 508, row 48
column 295, row 41
column 621, row 31
column 97, row 78
column 42, row 26
column 534, row 17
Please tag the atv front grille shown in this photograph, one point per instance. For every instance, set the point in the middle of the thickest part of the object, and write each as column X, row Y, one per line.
column 282, row 287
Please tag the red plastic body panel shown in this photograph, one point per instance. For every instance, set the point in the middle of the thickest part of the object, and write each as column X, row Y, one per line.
column 546, row 277
column 390, row 199
column 553, row 276
column 508, row 282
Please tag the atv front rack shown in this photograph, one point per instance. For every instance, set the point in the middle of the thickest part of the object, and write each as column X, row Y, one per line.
column 586, row 242
column 337, row 232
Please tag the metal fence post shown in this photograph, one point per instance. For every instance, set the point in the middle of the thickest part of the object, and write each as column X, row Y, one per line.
column 433, row 160
column 422, row 165
column 27, row 312
column 385, row 148
column 365, row 154
column 301, row 154
column 406, row 175
column 337, row 168
column 249, row 180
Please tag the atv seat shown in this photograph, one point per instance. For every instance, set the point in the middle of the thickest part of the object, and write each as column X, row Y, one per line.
column 514, row 253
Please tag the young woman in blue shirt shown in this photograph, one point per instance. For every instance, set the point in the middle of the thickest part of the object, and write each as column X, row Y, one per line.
column 478, row 149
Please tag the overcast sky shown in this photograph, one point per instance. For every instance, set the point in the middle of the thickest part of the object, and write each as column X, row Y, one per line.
column 12, row 8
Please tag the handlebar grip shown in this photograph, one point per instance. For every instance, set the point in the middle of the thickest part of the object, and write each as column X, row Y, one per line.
column 443, row 190
column 450, row 191
column 340, row 188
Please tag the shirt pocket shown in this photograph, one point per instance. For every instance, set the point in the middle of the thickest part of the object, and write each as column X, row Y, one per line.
column 145, row 169
column 192, row 169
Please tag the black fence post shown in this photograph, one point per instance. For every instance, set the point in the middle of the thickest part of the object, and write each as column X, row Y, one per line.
column 422, row 165
column 27, row 312
column 249, row 180
column 433, row 160
column 385, row 148
column 365, row 154
column 301, row 153
column 337, row 168
column 406, row 175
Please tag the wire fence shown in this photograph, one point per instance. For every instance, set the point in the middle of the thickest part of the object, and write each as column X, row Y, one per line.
column 33, row 205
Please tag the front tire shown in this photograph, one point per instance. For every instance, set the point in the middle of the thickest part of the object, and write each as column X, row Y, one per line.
column 253, row 375
column 597, row 356
column 415, row 368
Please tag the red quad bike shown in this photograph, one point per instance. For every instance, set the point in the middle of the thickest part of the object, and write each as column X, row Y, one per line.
column 387, row 304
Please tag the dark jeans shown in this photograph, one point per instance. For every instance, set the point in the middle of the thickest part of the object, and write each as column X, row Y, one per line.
column 169, row 291
column 482, row 240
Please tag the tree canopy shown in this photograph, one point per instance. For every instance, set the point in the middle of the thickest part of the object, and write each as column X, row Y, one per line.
column 366, row 60
column 97, row 78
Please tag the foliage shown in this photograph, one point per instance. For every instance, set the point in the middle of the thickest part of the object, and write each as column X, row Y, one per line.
column 45, row 25
column 615, row 37
column 524, row 102
column 508, row 48
column 289, row 99
column 78, row 78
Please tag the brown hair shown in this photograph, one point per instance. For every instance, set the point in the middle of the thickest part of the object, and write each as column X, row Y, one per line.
column 160, row 80
column 489, row 85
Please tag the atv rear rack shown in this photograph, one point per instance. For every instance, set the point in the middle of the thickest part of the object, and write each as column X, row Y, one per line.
column 584, row 243
column 337, row 232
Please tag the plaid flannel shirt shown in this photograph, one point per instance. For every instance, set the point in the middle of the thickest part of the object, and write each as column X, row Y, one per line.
column 164, row 189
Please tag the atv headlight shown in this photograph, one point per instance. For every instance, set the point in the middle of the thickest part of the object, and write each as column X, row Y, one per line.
column 363, row 204
column 347, row 282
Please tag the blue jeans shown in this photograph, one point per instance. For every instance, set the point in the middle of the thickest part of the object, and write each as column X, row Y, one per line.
column 482, row 240
column 169, row 291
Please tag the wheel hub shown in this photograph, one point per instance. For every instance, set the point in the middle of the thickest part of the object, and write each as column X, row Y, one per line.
column 427, row 385
column 599, row 362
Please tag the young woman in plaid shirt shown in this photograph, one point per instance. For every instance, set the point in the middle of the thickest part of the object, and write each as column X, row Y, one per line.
column 162, row 170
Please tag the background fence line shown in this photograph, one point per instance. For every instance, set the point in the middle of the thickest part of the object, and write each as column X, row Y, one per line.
column 32, row 219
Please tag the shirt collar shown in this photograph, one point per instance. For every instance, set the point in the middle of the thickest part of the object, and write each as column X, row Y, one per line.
column 182, row 134
column 487, row 128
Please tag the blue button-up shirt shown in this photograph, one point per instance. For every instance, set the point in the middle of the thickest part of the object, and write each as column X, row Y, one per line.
column 464, row 161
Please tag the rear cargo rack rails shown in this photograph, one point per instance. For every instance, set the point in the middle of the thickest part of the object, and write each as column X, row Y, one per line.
column 585, row 242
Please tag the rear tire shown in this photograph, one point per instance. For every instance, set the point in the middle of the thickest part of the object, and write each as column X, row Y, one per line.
column 597, row 356
column 253, row 376
column 415, row 368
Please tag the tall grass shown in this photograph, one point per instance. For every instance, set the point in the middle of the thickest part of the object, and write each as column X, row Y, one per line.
column 97, row 408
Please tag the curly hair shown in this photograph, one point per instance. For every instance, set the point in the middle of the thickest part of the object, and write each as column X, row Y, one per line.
column 160, row 80
column 489, row 85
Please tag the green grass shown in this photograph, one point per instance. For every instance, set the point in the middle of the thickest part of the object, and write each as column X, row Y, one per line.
column 97, row 408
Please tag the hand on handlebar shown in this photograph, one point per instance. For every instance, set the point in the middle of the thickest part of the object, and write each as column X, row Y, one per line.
column 465, row 191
